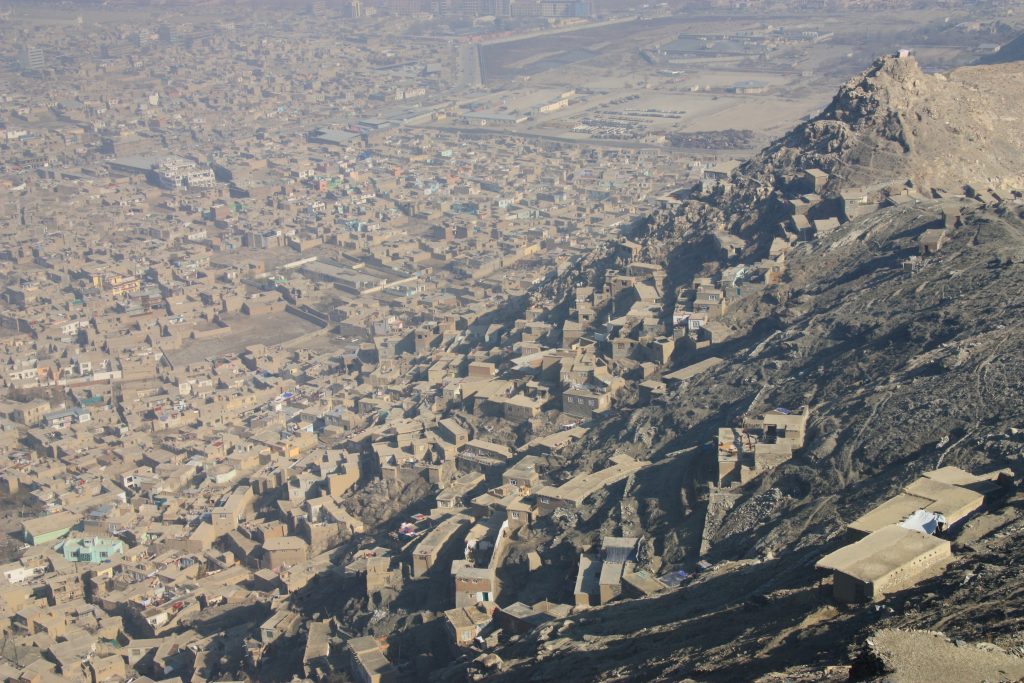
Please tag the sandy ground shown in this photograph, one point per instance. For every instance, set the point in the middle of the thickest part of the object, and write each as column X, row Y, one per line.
column 275, row 328
column 924, row 657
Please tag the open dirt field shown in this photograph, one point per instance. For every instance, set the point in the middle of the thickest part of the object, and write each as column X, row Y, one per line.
column 275, row 328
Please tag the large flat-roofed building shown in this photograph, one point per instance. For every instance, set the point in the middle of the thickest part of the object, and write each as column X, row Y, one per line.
column 887, row 560
column 950, row 492
column 94, row 550
column 48, row 528
column 31, row 57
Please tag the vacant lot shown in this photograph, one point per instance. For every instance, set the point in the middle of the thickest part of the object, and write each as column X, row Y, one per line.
column 275, row 328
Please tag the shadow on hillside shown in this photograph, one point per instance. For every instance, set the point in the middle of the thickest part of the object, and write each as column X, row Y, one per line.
column 713, row 630
column 219, row 620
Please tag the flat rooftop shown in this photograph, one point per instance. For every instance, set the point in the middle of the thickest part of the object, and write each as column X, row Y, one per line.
column 880, row 553
column 578, row 488
column 439, row 535
column 892, row 511
column 691, row 371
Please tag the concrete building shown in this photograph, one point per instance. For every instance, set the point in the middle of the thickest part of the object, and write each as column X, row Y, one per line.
column 92, row 550
column 949, row 492
column 31, row 57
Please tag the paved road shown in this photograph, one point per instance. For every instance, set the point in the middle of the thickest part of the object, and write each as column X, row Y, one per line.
column 468, row 66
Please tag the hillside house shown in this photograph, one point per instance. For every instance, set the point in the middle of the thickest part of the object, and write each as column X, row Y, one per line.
column 888, row 560
column 762, row 443
column 48, row 528
column 572, row 493
column 931, row 241
column 368, row 662
column 430, row 547
column 464, row 624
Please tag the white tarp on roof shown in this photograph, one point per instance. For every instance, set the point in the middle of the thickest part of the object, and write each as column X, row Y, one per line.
column 924, row 521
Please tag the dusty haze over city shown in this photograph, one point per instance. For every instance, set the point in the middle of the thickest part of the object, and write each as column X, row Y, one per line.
column 556, row 340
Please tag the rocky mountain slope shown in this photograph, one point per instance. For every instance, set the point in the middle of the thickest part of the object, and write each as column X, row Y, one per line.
column 940, row 131
column 893, row 125
column 905, row 369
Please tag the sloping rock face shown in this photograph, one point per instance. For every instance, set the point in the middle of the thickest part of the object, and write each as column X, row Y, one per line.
column 892, row 126
column 895, row 121
column 937, row 130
